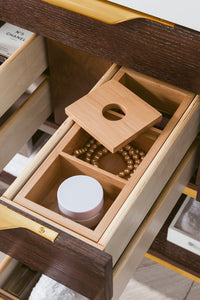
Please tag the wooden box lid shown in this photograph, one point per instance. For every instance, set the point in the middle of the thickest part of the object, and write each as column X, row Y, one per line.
column 90, row 113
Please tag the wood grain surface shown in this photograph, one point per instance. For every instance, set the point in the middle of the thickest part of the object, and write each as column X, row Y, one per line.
column 68, row 260
column 73, row 73
column 171, row 253
column 170, row 54
column 7, row 296
column 91, row 108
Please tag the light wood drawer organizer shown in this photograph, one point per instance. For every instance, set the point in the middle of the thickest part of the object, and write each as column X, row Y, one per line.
column 71, row 251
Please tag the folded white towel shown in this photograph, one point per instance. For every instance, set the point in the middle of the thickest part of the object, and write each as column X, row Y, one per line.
column 49, row 289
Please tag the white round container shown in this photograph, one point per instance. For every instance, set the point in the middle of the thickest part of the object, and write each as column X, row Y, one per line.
column 80, row 198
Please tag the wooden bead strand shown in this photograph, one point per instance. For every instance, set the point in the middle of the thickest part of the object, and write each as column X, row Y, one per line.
column 93, row 151
column 133, row 157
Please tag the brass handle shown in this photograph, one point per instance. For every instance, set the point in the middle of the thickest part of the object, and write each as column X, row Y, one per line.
column 10, row 219
column 104, row 11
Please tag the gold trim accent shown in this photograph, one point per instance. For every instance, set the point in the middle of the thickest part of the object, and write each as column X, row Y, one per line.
column 104, row 11
column 172, row 267
column 190, row 192
column 9, row 219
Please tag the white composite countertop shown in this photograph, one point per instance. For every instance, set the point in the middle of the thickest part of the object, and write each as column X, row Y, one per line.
column 182, row 12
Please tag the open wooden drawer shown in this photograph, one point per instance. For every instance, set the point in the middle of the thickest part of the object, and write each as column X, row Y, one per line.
column 22, row 120
column 16, row 279
column 66, row 250
column 28, row 62
column 137, row 247
column 25, row 101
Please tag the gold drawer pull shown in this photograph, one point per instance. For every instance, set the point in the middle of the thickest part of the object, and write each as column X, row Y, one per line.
column 104, row 11
column 10, row 219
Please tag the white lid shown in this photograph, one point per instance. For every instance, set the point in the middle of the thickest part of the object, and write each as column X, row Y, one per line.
column 80, row 197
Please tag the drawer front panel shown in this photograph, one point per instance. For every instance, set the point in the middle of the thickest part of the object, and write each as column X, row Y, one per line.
column 146, row 46
column 150, row 227
column 20, row 70
column 16, row 131
column 68, row 260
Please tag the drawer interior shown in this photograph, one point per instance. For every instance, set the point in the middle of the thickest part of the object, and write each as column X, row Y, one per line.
column 32, row 108
column 21, row 100
column 44, row 192
column 27, row 62
column 164, row 97
column 39, row 193
column 16, row 279
column 7, row 265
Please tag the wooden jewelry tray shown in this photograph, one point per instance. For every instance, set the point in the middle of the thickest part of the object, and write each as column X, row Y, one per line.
column 126, row 201
column 39, row 193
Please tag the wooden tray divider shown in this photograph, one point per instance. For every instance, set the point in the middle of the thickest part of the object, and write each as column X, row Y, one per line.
column 77, row 137
column 120, row 182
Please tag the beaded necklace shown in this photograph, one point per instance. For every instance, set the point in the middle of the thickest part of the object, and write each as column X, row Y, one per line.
column 130, row 154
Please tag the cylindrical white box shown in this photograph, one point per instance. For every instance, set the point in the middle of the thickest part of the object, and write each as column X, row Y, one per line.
column 80, row 198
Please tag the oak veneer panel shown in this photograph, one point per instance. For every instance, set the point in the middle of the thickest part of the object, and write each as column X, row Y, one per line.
column 171, row 253
column 68, row 260
column 170, row 54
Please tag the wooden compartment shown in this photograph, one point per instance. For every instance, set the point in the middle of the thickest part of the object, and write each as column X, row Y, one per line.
column 43, row 194
column 40, row 194
column 41, row 186
column 28, row 62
